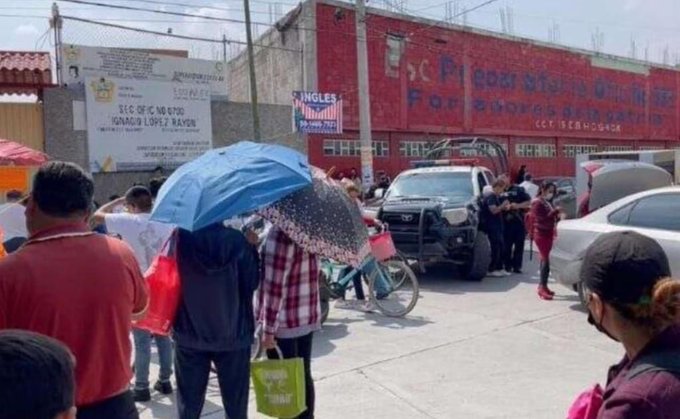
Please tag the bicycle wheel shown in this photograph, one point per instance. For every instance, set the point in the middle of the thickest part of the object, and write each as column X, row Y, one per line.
column 397, row 293
column 403, row 276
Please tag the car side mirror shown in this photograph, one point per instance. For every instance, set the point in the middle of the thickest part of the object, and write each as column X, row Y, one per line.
column 379, row 193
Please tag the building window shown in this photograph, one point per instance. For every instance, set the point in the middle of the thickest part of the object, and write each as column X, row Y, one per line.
column 617, row 148
column 572, row 150
column 535, row 150
column 651, row 147
column 381, row 149
column 352, row 148
column 477, row 153
column 414, row 148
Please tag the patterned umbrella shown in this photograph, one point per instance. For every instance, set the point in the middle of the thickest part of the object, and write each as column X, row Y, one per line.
column 323, row 220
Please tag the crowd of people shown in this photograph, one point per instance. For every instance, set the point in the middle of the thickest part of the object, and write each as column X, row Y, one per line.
column 86, row 289
column 71, row 293
column 511, row 211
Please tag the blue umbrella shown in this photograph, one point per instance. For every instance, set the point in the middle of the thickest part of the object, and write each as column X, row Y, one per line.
column 230, row 181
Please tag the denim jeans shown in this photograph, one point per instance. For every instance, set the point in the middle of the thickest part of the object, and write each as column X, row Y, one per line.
column 143, row 357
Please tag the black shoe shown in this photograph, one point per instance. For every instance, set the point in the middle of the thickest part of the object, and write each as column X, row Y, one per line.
column 163, row 387
column 517, row 271
column 142, row 395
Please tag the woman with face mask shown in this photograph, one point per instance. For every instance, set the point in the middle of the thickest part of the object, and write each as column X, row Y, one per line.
column 545, row 217
column 632, row 299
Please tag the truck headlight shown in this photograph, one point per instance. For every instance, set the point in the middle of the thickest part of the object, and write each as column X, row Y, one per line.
column 455, row 216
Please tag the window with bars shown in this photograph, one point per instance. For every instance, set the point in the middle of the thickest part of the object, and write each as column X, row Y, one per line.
column 618, row 148
column 652, row 147
column 414, row 148
column 572, row 150
column 351, row 148
column 535, row 150
column 478, row 153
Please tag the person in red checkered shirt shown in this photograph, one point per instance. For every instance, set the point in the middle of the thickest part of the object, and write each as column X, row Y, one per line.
column 288, row 304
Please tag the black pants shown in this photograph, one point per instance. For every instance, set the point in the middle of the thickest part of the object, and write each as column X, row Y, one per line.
column 496, row 241
column 545, row 272
column 300, row 348
column 192, row 369
column 514, row 236
column 118, row 407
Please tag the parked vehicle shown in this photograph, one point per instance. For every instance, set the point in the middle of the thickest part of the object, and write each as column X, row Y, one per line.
column 433, row 210
column 653, row 213
column 566, row 193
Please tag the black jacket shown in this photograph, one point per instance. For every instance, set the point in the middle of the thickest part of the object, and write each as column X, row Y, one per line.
column 219, row 272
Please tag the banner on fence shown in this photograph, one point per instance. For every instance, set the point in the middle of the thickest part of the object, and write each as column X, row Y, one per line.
column 140, row 125
column 317, row 113
column 81, row 62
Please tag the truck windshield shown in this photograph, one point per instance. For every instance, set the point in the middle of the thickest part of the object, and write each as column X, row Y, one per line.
column 449, row 185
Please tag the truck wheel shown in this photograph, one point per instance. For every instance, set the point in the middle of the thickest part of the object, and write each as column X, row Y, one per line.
column 478, row 267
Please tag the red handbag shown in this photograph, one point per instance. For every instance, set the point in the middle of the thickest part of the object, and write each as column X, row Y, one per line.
column 164, row 290
column 587, row 404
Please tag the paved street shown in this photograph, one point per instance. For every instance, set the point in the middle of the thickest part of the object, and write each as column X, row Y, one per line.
column 469, row 350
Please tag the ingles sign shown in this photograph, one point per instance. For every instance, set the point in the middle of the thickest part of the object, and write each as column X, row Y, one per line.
column 317, row 113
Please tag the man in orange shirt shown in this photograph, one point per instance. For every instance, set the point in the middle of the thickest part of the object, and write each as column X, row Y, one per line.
column 80, row 288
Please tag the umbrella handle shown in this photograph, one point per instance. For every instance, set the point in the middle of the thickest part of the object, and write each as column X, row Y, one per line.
column 330, row 172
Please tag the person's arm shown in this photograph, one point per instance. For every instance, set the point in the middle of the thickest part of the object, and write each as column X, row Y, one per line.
column 277, row 261
column 525, row 200
column 494, row 208
column 99, row 216
column 249, row 269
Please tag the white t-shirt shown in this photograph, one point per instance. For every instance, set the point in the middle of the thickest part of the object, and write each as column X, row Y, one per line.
column 530, row 187
column 146, row 237
column 13, row 221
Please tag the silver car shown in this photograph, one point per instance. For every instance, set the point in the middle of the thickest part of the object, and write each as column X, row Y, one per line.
column 654, row 213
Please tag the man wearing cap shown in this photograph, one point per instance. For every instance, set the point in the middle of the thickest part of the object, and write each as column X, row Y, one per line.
column 632, row 299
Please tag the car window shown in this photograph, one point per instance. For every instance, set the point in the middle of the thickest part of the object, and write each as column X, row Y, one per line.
column 453, row 186
column 656, row 212
column 620, row 216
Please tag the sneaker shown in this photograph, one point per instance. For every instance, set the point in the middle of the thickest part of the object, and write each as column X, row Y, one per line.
column 141, row 395
column 344, row 304
column 543, row 293
column 495, row 274
column 368, row 307
column 549, row 291
column 163, row 387
column 517, row 271
column 507, row 272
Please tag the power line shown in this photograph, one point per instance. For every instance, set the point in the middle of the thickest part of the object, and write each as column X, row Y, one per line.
column 464, row 12
column 162, row 12
column 191, row 38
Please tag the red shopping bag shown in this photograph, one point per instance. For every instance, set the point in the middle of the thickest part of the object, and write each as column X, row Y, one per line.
column 382, row 246
column 587, row 404
column 164, row 290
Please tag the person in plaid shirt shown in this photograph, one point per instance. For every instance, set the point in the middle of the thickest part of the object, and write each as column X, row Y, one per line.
column 288, row 304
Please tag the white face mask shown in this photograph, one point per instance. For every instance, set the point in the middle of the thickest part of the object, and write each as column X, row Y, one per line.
column 549, row 196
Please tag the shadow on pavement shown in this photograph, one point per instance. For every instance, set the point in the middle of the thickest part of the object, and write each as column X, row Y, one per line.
column 332, row 330
column 397, row 323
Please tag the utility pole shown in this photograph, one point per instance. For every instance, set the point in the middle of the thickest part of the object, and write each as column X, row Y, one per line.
column 56, row 24
column 253, row 80
column 364, row 97
column 224, row 47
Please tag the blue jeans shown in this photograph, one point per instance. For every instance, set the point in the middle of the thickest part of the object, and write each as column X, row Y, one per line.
column 143, row 357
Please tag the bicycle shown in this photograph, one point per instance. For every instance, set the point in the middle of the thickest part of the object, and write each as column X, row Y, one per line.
column 392, row 284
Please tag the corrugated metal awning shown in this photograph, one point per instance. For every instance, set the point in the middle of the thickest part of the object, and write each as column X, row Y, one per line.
column 24, row 73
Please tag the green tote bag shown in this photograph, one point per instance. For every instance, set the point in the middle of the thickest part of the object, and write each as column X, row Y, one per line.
column 279, row 386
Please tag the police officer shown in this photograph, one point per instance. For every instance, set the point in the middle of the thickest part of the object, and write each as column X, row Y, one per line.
column 514, row 231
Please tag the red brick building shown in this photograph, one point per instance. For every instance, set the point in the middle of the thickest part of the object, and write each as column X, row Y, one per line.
column 543, row 102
